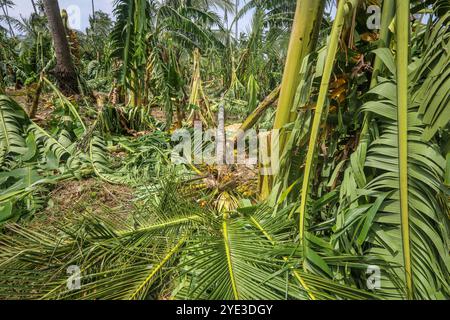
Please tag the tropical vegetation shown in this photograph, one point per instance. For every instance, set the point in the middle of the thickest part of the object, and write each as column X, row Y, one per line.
column 357, row 92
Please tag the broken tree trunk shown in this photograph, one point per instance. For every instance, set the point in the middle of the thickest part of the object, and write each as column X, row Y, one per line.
column 258, row 112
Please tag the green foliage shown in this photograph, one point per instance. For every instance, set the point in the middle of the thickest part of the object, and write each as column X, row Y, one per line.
column 188, row 234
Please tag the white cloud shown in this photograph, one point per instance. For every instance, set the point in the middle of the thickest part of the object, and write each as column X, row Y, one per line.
column 25, row 8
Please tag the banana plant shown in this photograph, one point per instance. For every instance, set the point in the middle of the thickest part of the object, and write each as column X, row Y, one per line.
column 345, row 8
column 303, row 40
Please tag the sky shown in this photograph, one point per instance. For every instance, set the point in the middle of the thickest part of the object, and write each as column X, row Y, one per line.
column 79, row 11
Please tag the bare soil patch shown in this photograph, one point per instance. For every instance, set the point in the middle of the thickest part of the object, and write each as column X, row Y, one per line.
column 72, row 199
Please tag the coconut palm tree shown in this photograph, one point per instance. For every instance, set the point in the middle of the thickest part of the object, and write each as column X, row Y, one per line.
column 64, row 70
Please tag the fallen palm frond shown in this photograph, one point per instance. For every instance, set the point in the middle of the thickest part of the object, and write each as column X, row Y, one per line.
column 203, row 254
column 402, row 59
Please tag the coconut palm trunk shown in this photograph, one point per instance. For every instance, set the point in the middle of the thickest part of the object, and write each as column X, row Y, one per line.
column 34, row 7
column 2, row 88
column 93, row 16
column 64, row 71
